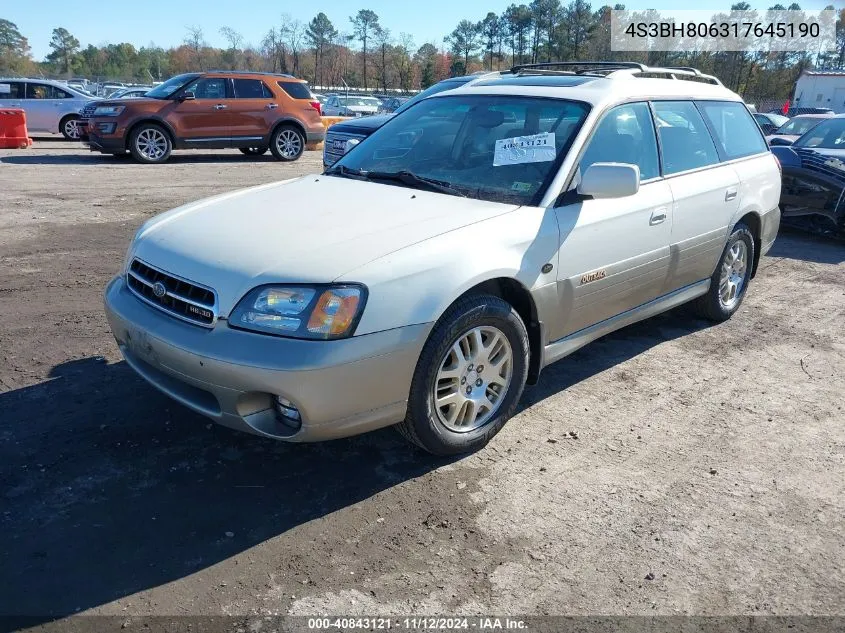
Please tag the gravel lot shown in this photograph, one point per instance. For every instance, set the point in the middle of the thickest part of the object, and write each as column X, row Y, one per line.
column 671, row 468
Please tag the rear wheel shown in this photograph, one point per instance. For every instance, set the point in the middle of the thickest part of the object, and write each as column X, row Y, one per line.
column 150, row 143
column 730, row 279
column 287, row 143
column 69, row 127
column 469, row 377
column 253, row 151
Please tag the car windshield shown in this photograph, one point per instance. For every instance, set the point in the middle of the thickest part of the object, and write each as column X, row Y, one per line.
column 773, row 119
column 432, row 90
column 359, row 101
column 797, row 126
column 499, row 148
column 829, row 134
column 169, row 87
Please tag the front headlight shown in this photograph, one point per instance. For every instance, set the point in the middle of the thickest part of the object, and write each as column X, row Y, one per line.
column 310, row 312
column 108, row 110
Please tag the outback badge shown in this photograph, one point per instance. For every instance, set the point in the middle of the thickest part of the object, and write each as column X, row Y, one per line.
column 593, row 276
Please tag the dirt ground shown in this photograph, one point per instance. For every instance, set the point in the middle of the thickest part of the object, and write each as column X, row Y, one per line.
column 670, row 468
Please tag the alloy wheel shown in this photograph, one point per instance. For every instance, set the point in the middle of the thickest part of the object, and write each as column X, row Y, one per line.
column 289, row 144
column 71, row 129
column 732, row 279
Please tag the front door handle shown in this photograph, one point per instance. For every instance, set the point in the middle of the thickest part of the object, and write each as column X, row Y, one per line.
column 272, row 106
column 730, row 194
column 220, row 106
column 658, row 216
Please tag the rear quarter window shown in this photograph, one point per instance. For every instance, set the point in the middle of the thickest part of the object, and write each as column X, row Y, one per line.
column 295, row 89
column 734, row 130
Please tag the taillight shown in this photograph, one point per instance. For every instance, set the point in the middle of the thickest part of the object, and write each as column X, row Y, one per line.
column 317, row 107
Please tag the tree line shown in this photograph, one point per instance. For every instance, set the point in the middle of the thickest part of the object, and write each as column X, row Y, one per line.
column 362, row 53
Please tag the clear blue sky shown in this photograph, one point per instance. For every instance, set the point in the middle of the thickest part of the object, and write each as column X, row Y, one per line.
column 163, row 22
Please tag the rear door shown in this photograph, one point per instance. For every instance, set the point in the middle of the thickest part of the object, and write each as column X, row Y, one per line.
column 41, row 107
column 205, row 120
column 705, row 192
column 253, row 110
column 615, row 252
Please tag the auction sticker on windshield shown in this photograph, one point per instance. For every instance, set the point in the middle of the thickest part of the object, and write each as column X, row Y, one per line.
column 537, row 148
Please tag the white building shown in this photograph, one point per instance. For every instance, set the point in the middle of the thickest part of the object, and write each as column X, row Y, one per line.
column 820, row 89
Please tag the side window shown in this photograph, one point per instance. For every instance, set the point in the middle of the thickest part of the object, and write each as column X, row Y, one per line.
column 38, row 91
column 684, row 139
column 734, row 128
column 58, row 93
column 296, row 89
column 251, row 89
column 210, row 88
column 12, row 90
column 625, row 135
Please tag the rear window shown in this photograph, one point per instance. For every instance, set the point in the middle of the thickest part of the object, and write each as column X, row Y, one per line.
column 295, row 89
column 736, row 132
column 251, row 89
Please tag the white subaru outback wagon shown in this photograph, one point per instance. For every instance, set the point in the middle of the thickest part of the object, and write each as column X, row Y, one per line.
column 437, row 267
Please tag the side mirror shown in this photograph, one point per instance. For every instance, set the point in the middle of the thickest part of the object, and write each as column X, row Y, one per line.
column 610, row 180
column 781, row 141
column 187, row 96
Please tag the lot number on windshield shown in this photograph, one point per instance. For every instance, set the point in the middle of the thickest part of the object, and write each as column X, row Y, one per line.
column 537, row 148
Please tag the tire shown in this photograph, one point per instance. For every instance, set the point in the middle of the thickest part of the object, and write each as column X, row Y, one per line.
column 451, row 428
column 287, row 143
column 729, row 282
column 150, row 143
column 253, row 151
column 69, row 128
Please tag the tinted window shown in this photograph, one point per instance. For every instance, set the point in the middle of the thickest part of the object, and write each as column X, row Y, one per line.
column 625, row 135
column 734, row 129
column 251, row 89
column 501, row 148
column 162, row 91
column 449, row 84
column 45, row 91
column 211, row 88
column 11, row 90
column 827, row 135
column 684, row 139
column 295, row 89
column 799, row 125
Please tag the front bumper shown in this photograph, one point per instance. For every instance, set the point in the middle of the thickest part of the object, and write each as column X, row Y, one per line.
column 341, row 388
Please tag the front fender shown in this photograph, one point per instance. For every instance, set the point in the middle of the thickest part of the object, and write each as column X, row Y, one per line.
column 418, row 283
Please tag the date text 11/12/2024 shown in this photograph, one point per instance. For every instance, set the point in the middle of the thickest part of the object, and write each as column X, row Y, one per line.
column 418, row 623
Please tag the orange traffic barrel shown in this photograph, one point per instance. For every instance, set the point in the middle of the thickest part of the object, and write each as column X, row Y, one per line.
column 13, row 134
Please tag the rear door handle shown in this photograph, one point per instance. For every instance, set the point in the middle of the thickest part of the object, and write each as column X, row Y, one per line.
column 658, row 216
column 730, row 194
column 220, row 106
column 272, row 106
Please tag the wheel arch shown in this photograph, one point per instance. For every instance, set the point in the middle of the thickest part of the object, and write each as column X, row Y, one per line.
column 160, row 122
column 518, row 296
column 288, row 121
column 752, row 220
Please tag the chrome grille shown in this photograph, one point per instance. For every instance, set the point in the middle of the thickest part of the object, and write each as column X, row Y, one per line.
column 178, row 297
column 330, row 154
column 88, row 111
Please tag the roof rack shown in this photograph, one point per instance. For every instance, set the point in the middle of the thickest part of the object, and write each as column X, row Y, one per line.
column 249, row 72
column 611, row 69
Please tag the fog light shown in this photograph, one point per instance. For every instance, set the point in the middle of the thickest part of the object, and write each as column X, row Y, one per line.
column 106, row 128
column 286, row 409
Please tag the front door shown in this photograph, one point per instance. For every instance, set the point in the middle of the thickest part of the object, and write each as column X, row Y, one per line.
column 614, row 253
column 253, row 110
column 205, row 120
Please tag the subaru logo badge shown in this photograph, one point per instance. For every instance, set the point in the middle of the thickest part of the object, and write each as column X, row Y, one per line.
column 159, row 289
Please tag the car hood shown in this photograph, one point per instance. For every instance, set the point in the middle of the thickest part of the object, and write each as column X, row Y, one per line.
column 308, row 230
column 365, row 125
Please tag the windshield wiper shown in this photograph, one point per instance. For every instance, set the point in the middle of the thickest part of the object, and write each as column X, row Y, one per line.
column 412, row 180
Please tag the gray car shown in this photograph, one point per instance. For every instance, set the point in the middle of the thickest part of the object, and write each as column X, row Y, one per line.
column 50, row 106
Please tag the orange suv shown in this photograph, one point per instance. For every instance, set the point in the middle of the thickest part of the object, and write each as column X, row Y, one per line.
column 251, row 111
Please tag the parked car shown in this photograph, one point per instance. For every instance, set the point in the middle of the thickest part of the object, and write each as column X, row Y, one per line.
column 795, row 111
column 451, row 256
column 50, row 106
column 343, row 105
column 790, row 131
column 253, row 112
column 814, row 178
column 769, row 121
column 391, row 104
column 130, row 93
column 320, row 97
column 343, row 136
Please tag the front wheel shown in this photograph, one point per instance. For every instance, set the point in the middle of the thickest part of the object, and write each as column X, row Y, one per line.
column 469, row 377
column 149, row 143
column 287, row 143
column 253, row 151
column 69, row 127
column 730, row 279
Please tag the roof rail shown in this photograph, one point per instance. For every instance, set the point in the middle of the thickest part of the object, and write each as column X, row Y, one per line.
column 248, row 72
column 677, row 72
column 549, row 66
